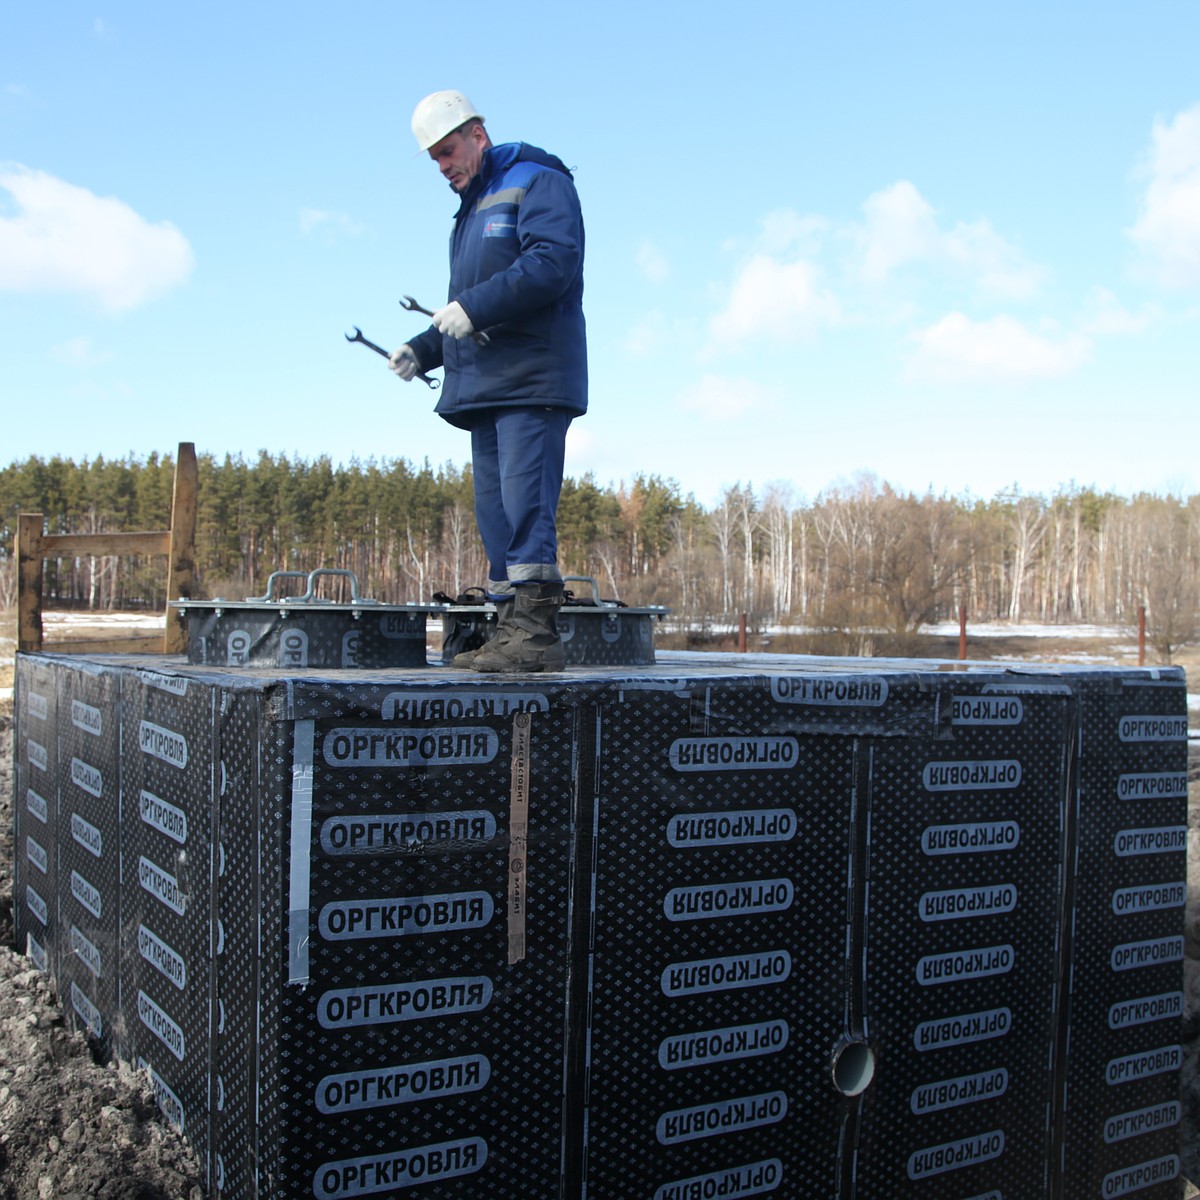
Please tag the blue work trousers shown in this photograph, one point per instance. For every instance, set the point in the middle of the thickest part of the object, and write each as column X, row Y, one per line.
column 517, row 460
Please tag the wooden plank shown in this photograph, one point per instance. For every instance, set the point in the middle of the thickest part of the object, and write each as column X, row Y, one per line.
column 98, row 544
column 147, row 644
column 29, row 581
column 181, row 553
column 177, row 543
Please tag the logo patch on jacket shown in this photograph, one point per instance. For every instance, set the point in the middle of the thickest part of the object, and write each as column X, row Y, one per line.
column 500, row 227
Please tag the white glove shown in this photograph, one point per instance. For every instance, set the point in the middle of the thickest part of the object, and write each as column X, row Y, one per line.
column 404, row 363
column 453, row 321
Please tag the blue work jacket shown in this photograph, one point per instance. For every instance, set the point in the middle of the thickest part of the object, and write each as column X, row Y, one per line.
column 516, row 267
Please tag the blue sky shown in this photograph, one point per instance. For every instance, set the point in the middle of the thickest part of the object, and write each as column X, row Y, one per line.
column 954, row 245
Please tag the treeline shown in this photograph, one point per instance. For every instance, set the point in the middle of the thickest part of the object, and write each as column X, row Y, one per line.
column 860, row 559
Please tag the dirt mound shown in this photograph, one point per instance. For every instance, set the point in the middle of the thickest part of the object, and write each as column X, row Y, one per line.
column 70, row 1128
column 6, row 828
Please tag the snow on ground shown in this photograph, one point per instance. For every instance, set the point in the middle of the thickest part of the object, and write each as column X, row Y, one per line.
column 1008, row 629
column 54, row 623
column 1115, row 633
column 57, row 625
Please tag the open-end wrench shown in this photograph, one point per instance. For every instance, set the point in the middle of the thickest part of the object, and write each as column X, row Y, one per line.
column 478, row 337
column 358, row 337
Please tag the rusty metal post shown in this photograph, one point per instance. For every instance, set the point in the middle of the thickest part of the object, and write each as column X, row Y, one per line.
column 741, row 633
column 1141, row 635
column 962, row 631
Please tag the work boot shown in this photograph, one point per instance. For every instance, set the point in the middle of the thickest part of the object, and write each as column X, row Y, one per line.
column 504, row 612
column 530, row 642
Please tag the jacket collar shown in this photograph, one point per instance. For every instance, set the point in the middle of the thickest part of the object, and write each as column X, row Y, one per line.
column 495, row 159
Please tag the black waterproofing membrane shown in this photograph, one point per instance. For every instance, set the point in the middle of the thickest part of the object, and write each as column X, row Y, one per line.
column 302, row 632
column 296, row 637
column 723, row 927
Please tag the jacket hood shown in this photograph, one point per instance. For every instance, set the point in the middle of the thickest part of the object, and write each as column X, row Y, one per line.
column 535, row 154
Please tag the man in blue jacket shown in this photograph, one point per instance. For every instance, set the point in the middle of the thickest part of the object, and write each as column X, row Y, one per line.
column 513, row 343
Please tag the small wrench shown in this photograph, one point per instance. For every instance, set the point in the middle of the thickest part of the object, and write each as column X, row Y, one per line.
column 358, row 337
column 478, row 337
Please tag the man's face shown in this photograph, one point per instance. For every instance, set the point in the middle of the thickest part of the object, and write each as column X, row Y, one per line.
column 459, row 155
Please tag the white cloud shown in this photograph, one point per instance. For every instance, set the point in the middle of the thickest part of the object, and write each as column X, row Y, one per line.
column 783, row 291
column 719, row 398
column 650, row 335
column 603, row 452
column 580, row 441
column 781, row 301
column 996, row 266
column 1168, row 228
column 312, row 219
column 63, row 238
column 901, row 227
column 1104, row 314
column 80, row 352
column 652, row 263
column 785, row 230
column 1000, row 350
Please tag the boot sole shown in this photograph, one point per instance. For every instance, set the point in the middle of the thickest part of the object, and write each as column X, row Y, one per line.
column 517, row 669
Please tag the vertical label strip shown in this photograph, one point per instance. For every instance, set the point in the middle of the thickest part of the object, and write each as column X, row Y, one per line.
column 300, row 867
column 518, row 837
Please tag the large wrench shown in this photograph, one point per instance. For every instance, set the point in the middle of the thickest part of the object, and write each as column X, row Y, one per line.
column 478, row 337
column 358, row 337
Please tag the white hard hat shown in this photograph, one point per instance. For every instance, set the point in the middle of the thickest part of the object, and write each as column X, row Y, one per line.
column 439, row 114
